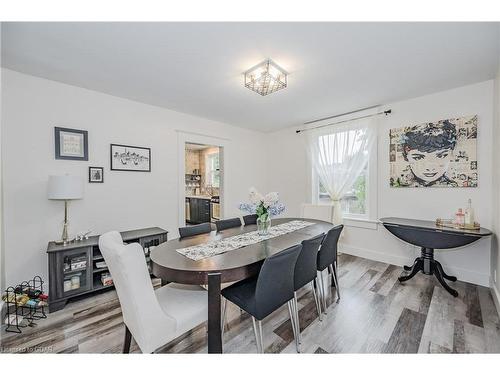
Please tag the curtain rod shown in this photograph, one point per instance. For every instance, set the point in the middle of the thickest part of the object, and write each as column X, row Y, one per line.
column 341, row 114
column 352, row 119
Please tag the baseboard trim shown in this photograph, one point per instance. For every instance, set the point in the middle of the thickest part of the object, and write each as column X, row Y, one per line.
column 374, row 255
column 462, row 274
column 496, row 295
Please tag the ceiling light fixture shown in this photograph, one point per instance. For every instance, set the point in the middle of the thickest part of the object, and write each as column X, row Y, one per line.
column 266, row 78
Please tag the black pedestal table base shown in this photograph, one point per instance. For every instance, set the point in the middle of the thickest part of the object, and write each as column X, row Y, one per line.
column 429, row 266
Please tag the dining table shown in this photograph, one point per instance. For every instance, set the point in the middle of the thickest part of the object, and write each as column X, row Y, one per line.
column 429, row 236
column 170, row 265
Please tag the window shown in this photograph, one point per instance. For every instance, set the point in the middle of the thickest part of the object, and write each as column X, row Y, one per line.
column 213, row 170
column 354, row 201
column 343, row 156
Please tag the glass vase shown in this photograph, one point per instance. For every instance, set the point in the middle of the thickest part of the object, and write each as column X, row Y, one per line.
column 263, row 225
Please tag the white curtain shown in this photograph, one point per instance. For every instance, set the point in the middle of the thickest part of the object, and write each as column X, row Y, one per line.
column 338, row 154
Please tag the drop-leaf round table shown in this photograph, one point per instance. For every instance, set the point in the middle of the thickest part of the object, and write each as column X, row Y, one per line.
column 427, row 235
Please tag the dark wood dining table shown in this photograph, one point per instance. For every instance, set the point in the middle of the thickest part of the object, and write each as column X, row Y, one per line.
column 235, row 265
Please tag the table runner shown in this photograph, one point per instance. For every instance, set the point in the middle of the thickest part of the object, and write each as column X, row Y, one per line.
column 217, row 247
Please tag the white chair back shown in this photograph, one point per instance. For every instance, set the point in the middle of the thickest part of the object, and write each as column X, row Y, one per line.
column 317, row 211
column 141, row 311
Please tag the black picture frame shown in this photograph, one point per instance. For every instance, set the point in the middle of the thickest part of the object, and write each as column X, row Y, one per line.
column 57, row 144
column 96, row 181
column 114, row 147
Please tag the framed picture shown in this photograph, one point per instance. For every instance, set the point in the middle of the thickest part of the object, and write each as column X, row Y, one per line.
column 96, row 174
column 435, row 154
column 71, row 144
column 130, row 158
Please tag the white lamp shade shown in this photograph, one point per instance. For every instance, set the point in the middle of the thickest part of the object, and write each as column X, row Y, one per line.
column 65, row 187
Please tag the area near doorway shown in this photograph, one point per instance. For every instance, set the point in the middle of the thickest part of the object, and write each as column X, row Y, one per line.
column 202, row 183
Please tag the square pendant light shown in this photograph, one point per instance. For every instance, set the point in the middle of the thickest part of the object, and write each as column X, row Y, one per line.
column 266, row 78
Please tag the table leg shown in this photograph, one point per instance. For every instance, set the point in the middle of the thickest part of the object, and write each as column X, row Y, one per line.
column 417, row 266
column 438, row 272
column 214, row 313
column 429, row 266
column 427, row 260
column 409, row 268
column 446, row 276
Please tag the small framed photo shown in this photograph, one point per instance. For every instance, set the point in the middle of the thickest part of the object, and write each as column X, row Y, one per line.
column 130, row 158
column 71, row 144
column 96, row 174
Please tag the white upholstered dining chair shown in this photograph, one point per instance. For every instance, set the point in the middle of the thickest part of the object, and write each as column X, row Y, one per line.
column 317, row 211
column 152, row 317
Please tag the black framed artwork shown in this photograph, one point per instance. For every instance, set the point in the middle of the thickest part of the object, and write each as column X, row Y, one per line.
column 71, row 144
column 130, row 158
column 96, row 174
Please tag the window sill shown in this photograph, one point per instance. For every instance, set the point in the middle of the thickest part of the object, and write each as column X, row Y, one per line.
column 360, row 223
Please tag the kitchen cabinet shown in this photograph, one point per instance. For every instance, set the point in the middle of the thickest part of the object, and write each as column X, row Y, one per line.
column 199, row 210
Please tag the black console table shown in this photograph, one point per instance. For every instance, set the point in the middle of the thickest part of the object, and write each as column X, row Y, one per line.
column 429, row 236
column 74, row 268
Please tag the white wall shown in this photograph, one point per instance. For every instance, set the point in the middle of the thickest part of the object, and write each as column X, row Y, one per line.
column 495, row 257
column 472, row 263
column 2, row 262
column 126, row 200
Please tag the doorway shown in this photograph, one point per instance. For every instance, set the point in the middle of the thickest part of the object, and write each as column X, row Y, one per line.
column 202, row 183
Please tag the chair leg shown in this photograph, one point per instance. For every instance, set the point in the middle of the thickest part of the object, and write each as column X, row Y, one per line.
column 223, row 320
column 316, row 301
column 261, row 338
column 297, row 320
column 321, row 283
column 294, row 329
column 256, row 332
column 334, row 275
column 127, row 342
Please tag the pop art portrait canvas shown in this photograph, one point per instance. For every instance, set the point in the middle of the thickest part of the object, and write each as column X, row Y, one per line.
column 434, row 154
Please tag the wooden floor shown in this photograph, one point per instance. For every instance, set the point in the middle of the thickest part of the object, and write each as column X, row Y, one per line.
column 376, row 314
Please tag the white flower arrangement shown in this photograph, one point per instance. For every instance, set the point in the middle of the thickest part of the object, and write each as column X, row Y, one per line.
column 264, row 206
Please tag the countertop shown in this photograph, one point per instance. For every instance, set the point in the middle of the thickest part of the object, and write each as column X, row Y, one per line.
column 94, row 240
column 199, row 196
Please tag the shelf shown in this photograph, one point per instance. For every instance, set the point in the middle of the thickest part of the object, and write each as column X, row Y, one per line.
column 100, row 286
column 97, row 270
column 72, row 292
column 75, row 271
column 96, row 281
column 90, row 276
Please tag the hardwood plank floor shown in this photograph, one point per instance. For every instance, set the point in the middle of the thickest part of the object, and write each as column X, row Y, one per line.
column 376, row 314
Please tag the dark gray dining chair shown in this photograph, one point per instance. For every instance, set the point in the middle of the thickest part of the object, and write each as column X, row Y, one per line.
column 250, row 219
column 327, row 258
column 263, row 294
column 193, row 230
column 228, row 223
column 305, row 273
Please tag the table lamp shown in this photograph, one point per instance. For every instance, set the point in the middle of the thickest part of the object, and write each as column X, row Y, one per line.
column 65, row 188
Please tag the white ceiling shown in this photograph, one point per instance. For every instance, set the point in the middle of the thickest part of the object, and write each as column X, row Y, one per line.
column 197, row 68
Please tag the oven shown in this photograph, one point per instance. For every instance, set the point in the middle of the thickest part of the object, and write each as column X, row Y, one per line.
column 188, row 209
column 215, row 207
